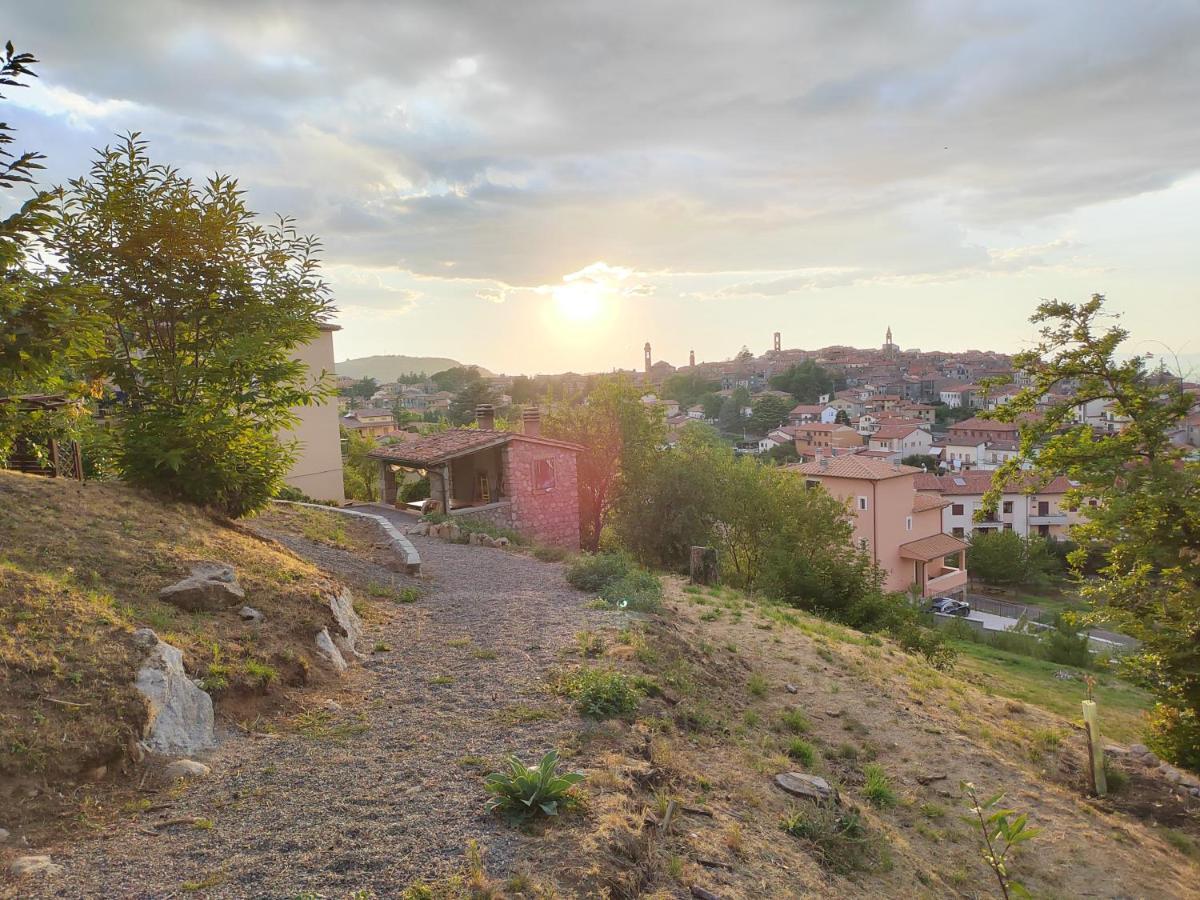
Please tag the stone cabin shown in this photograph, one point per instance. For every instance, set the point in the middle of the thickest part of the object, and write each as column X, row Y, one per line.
column 517, row 480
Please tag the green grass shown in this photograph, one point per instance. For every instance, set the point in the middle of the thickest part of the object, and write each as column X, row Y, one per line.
column 1032, row 681
column 877, row 788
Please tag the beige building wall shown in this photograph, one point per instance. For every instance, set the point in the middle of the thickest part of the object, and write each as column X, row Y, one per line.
column 318, row 467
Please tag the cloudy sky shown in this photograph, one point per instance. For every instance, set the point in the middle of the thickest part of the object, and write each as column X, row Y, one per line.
column 542, row 186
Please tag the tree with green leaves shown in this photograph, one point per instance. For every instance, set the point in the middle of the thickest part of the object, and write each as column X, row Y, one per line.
column 730, row 418
column 805, row 381
column 768, row 412
column 842, row 418
column 999, row 557
column 619, row 435
column 359, row 471
column 203, row 309
column 473, row 393
column 363, row 389
column 48, row 331
column 1145, row 523
column 687, row 388
column 712, row 404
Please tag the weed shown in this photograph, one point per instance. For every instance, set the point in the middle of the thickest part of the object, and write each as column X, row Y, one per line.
column 319, row 724
column 381, row 647
column 260, row 672
column 675, row 867
column 441, row 679
column 522, row 790
column 472, row 761
column 933, row 811
column 1181, row 842
column 408, row 595
column 483, row 653
column 213, row 879
column 877, row 788
column 549, row 553
column 203, row 824
column 757, row 685
column 458, row 643
column 733, row 838
column 521, row 713
column 795, row 721
column 600, row 693
column 838, row 837
column 590, row 644
column 801, row 751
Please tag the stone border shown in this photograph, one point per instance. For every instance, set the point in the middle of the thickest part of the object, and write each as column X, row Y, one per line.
column 400, row 544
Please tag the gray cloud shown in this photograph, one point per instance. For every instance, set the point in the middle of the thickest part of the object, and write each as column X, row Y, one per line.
column 523, row 141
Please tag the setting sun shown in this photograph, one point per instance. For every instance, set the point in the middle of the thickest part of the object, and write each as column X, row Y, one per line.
column 579, row 301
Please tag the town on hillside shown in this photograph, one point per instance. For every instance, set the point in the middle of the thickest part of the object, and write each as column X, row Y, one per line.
column 877, row 622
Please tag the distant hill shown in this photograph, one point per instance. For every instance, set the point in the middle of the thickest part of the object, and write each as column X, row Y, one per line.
column 388, row 368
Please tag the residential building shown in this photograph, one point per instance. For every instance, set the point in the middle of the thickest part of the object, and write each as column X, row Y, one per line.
column 901, row 440
column 1026, row 506
column 901, row 529
column 804, row 413
column 817, row 436
column 317, row 469
column 984, row 430
column 369, row 422
column 517, row 480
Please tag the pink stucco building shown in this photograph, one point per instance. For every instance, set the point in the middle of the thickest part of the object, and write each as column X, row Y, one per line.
column 899, row 527
column 517, row 480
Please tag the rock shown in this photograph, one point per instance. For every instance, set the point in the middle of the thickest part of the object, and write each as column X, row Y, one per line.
column 180, row 715
column 4, row 835
column 1149, row 760
column 453, row 531
column 702, row 893
column 328, row 649
column 421, row 528
column 186, row 768
column 95, row 773
column 34, row 865
column 341, row 605
column 790, row 688
column 807, row 787
column 485, row 540
column 500, row 542
column 250, row 614
column 210, row 587
column 1138, row 749
column 1170, row 773
column 1063, row 675
column 332, row 706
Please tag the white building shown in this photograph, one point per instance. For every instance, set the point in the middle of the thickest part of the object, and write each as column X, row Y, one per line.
column 317, row 470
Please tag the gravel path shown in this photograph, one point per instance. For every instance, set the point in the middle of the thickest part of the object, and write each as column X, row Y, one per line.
column 394, row 802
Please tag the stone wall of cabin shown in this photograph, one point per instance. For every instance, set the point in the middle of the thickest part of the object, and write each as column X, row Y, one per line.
column 548, row 516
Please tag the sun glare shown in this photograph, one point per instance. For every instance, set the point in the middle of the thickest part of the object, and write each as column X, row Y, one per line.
column 579, row 301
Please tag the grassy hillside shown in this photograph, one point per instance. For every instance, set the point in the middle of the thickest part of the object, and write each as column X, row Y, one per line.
column 388, row 368
column 80, row 570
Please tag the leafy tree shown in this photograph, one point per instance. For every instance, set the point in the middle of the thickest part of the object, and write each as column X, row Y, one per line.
column 46, row 327
column 363, row 389
column 730, row 419
column 744, row 355
column 769, row 412
column 805, row 381
column 359, row 473
column 454, row 380
column 619, row 435
column 474, row 391
column 921, row 460
column 524, row 390
column 202, row 309
column 1006, row 558
column 842, row 418
column 712, row 404
column 687, row 388
column 1145, row 524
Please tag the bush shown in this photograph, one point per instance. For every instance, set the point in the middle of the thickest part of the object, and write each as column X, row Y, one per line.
column 1007, row 558
column 522, row 791
column 838, row 837
column 617, row 579
column 1173, row 733
column 601, row 693
column 802, row 751
column 877, row 789
column 550, row 552
column 471, row 525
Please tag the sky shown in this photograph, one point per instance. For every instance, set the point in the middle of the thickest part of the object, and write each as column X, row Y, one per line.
column 545, row 186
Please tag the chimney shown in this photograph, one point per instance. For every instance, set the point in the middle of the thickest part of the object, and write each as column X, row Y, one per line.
column 485, row 416
column 531, row 422
column 823, row 462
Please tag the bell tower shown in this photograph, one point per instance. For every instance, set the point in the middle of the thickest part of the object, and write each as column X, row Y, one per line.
column 647, row 349
column 777, row 346
column 692, row 358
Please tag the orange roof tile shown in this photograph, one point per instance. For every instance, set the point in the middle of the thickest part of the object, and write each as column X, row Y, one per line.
column 855, row 466
column 933, row 547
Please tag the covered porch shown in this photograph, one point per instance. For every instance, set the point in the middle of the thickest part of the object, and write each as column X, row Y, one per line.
column 939, row 565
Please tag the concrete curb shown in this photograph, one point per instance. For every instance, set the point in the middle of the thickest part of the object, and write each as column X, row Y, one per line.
column 400, row 544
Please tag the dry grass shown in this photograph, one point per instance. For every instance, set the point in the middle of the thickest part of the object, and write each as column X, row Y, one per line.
column 80, row 570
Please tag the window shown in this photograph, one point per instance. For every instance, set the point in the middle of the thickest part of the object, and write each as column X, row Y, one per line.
column 862, row 503
column 956, row 509
column 908, row 523
column 1008, row 506
column 811, row 483
column 543, row 475
column 957, row 531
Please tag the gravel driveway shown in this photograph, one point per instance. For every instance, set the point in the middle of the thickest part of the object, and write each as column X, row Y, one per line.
column 393, row 798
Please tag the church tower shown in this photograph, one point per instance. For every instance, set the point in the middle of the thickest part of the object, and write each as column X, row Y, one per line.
column 777, row 345
column 692, row 358
column 647, row 349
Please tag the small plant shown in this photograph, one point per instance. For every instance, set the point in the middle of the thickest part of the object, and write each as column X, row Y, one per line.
column 408, row 595
column 549, row 553
column 601, row 693
column 522, row 790
column 801, row 751
column 877, row 788
column 795, row 721
column 441, row 679
column 1000, row 830
column 590, row 644
column 838, row 837
column 260, row 672
column 757, row 685
column 381, row 647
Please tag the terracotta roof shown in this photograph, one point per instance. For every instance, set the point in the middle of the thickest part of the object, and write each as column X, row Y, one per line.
column 976, row 482
column 893, row 432
column 933, row 547
column 923, row 502
column 446, row 445
column 977, row 424
column 807, row 409
column 820, row 427
column 855, row 466
column 368, row 412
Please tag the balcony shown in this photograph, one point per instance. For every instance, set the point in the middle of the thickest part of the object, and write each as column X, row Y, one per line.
column 1053, row 519
column 947, row 581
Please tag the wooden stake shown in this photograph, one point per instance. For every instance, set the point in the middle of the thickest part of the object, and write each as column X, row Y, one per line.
column 1091, row 722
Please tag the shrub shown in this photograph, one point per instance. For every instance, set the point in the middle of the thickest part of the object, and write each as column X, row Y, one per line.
column 550, row 553
column 1173, row 732
column 801, row 751
column 757, row 685
column 469, row 524
column 601, row 693
column 795, row 721
column 617, row 579
column 877, row 789
column 260, row 672
column 593, row 572
column 838, row 837
column 520, row 791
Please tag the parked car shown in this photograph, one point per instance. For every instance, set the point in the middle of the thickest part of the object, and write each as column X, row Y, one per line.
column 950, row 607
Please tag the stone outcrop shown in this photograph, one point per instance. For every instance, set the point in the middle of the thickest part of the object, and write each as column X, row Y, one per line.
column 808, row 787
column 328, row 649
column 34, row 865
column 341, row 605
column 186, row 768
column 180, row 715
column 210, row 588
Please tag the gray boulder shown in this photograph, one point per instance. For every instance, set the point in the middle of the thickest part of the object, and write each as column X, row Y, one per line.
column 186, row 768
column 180, row 720
column 807, row 787
column 250, row 614
column 210, row 587
column 341, row 605
column 328, row 649
column 34, row 865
